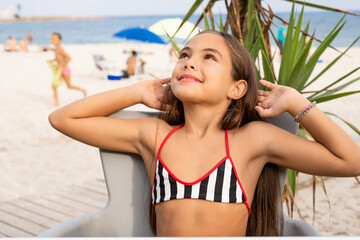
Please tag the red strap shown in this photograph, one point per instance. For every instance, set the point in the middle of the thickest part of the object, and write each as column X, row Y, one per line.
column 227, row 143
column 166, row 138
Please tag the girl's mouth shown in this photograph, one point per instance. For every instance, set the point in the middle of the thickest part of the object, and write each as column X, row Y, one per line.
column 189, row 78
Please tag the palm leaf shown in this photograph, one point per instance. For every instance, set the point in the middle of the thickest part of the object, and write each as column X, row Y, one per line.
column 357, row 180
column 302, row 41
column 211, row 19
column 260, row 36
column 291, row 177
column 321, row 7
column 321, row 180
column 193, row 8
column 284, row 66
column 206, row 22
column 310, row 65
column 332, row 97
column 332, row 91
column 267, row 69
column 331, row 64
column 249, row 40
column 255, row 49
column 299, row 68
column 314, row 191
column 172, row 41
column 295, row 41
column 221, row 25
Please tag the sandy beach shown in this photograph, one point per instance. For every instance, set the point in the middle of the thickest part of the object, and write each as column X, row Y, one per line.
column 35, row 158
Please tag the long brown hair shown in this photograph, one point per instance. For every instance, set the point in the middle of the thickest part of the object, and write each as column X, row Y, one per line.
column 263, row 220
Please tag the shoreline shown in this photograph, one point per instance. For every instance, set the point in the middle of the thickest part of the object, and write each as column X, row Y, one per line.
column 50, row 19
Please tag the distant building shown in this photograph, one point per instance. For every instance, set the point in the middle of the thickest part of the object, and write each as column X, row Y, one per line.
column 8, row 13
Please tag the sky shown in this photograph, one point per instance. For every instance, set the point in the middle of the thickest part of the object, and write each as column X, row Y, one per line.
column 141, row 7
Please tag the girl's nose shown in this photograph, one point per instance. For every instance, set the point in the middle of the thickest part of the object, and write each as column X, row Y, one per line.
column 190, row 64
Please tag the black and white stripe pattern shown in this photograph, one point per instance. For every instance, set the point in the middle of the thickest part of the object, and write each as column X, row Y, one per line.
column 220, row 185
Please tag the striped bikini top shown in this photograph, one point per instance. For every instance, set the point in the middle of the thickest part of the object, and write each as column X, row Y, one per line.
column 220, row 184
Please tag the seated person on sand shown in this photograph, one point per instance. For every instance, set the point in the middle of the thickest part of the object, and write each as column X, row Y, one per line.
column 131, row 65
column 23, row 45
column 10, row 45
column 61, row 69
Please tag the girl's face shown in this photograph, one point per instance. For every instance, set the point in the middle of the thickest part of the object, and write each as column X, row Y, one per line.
column 203, row 71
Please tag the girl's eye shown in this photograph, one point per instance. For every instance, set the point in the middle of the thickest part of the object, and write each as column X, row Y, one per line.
column 209, row 56
column 183, row 55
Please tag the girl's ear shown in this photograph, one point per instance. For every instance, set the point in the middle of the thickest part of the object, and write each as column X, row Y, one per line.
column 238, row 90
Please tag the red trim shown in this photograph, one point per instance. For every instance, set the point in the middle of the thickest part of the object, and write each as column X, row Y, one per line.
column 167, row 137
column 242, row 189
column 227, row 143
column 158, row 155
column 196, row 181
column 206, row 174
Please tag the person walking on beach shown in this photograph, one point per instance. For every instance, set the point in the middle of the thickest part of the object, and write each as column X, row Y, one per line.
column 61, row 69
column 282, row 37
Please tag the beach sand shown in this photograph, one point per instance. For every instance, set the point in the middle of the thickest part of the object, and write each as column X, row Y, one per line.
column 35, row 158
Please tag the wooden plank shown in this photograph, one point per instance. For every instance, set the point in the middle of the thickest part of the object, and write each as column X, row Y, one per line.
column 91, row 194
column 83, row 199
column 21, row 224
column 98, row 183
column 39, row 210
column 29, row 216
column 94, row 188
column 10, row 231
column 72, row 203
column 53, row 205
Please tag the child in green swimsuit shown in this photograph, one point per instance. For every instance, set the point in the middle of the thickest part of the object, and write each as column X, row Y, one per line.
column 61, row 69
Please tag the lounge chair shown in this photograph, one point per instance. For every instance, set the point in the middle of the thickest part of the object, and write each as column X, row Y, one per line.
column 126, row 213
column 105, row 66
column 101, row 63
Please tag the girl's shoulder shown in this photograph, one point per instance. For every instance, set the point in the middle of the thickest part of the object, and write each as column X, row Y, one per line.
column 254, row 130
column 153, row 128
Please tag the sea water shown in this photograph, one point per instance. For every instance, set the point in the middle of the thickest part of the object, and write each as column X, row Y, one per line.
column 102, row 30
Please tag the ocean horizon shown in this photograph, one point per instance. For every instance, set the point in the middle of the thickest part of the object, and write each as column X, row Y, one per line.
column 101, row 30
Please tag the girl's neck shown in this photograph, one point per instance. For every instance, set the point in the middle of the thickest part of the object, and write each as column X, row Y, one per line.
column 200, row 120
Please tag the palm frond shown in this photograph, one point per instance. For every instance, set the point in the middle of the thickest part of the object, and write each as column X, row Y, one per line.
column 321, row 7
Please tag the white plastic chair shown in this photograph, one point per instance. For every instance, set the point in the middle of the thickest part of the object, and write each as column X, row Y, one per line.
column 126, row 213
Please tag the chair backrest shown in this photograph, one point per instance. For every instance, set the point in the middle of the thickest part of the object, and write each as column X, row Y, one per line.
column 128, row 186
column 129, row 189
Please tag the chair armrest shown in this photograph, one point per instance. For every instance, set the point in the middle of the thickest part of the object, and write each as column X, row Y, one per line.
column 71, row 228
column 294, row 227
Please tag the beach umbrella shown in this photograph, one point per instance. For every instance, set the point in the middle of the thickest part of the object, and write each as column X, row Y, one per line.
column 171, row 25
column 139, row 34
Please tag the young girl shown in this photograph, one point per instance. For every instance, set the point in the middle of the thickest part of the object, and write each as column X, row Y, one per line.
column 210, row 160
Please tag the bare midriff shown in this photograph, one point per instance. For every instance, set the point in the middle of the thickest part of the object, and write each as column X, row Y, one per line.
column 194, row 217
column 60, row 60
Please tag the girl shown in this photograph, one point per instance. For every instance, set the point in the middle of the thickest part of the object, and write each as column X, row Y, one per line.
column 210, row 157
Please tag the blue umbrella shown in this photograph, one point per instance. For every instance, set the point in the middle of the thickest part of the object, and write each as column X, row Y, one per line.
column 140, row 34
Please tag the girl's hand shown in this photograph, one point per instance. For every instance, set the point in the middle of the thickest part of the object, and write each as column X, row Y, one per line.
column 152, row 93
column 278, row 100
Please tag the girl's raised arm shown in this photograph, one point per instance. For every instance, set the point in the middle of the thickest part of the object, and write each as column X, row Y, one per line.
column 86, row 120
column 333, row 153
